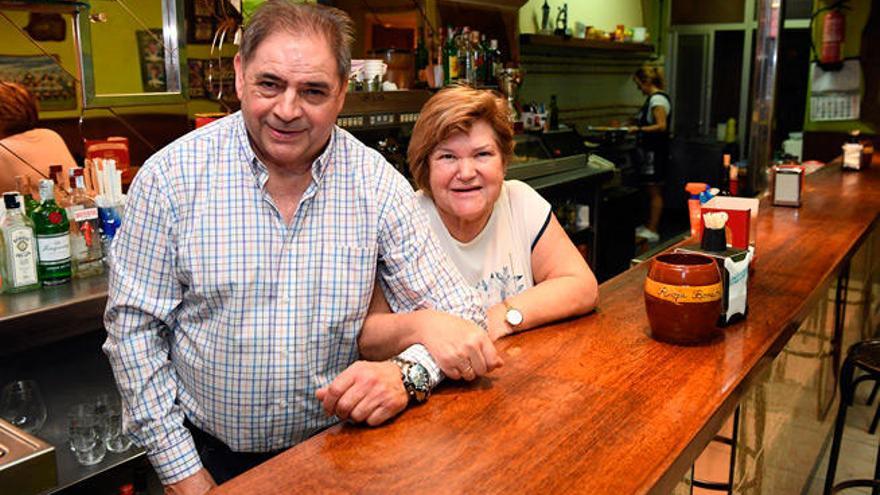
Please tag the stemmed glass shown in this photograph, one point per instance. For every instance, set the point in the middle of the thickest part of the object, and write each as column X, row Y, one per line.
column 22, row 405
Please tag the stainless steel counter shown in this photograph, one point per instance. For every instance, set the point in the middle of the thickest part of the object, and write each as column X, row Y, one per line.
column 47, row 315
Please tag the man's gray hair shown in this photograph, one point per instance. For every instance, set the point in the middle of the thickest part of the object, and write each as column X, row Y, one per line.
column 301, row 19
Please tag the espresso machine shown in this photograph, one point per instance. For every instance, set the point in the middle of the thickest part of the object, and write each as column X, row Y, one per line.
column 384, row 121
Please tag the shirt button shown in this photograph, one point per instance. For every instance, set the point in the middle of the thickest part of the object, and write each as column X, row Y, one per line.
column 285, row 298
column 281, row 403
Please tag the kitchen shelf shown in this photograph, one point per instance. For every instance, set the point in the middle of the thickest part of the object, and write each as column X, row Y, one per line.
column 584, row 45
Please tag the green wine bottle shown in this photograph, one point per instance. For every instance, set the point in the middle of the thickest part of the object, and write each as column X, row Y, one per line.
column 53, row 238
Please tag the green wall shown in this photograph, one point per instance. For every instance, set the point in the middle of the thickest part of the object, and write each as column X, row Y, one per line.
column 592, row 87
column 116, row 61
column 856, row 18
column 602, row 14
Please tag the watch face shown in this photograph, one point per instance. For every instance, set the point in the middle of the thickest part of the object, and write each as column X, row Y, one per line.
column 418, row 376
column 513, row 317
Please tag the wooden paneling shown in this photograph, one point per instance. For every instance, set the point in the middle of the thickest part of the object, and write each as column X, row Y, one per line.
column 593, row 405
column 707, row 12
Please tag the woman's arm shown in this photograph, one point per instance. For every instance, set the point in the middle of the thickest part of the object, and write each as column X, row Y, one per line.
column 453, row 342
column 659, row 124
column 564, row 285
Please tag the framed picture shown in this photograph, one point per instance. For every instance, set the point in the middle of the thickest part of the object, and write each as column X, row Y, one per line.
column 152, row 58
column 43, row 76
column 204, row 8
column 197, row 83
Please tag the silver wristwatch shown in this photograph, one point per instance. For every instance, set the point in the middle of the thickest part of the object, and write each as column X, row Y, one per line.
column 415, row 379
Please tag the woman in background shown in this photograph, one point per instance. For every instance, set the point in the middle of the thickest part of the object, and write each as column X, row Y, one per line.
column 25, row 149
column 500, row 234
column 651, row 124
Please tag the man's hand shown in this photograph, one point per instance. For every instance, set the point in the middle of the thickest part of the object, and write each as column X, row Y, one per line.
column 197, row 484
column 366, row 391
column 460, row 347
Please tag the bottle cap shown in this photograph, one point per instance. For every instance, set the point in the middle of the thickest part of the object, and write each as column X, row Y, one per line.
column 10, row 200
column 47, row 189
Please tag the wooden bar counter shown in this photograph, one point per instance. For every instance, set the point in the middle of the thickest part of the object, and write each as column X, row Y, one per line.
column 594, row 405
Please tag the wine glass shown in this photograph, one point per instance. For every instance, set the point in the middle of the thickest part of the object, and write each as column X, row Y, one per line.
column 22, row 405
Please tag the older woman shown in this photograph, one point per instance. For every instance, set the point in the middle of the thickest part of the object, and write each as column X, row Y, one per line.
column 501, row 235
column 25, row 149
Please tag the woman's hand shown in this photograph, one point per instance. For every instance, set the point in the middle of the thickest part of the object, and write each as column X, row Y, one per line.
column 460, row 347
column 497, row 323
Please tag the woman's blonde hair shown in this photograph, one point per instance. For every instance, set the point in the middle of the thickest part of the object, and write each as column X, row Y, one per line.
column 454, row 110
column 18, row 109
column 651, row 74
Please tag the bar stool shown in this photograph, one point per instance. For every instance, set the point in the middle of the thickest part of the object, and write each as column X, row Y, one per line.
column 865, row 356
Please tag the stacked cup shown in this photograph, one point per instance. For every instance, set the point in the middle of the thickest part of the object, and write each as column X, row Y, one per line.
column 374, row 71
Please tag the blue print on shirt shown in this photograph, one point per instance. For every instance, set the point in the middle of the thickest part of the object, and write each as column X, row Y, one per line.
column 500, row 285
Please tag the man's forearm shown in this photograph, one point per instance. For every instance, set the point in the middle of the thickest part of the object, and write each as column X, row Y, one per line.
column 386, row 334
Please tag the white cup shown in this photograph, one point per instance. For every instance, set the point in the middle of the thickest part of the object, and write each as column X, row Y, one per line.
column 640, row 34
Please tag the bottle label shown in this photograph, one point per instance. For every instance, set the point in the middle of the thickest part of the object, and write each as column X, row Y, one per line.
column 22, row 257
column 453, row 66
column 54, row 248
column 85, row 214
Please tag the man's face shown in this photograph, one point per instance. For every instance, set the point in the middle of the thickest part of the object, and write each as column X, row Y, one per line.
column 290, row 96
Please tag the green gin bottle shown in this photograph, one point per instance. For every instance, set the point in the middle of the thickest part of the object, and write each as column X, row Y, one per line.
column 18, row 265
column 53, row 238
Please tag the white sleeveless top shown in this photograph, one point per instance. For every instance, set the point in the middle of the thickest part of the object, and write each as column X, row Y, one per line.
column 498, row 262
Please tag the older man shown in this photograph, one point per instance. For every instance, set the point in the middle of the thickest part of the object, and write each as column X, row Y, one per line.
column 244, row 271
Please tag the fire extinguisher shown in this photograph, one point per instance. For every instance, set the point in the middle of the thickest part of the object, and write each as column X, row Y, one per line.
column 833, row 29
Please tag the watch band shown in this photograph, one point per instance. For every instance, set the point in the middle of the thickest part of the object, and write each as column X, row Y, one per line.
column 415, row 379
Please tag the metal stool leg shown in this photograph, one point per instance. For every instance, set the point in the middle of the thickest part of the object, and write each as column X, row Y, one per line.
column 874, row 393
column 873, row 428
column 846, row 379
column 876, row 489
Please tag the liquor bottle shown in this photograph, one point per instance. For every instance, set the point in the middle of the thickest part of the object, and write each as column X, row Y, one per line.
column 18, row 265
column 86, row 252
column 497, row 62
column 62, row 196
column 53, row 238
column 725, row 176
column 450, row 58
column 462, row 42
column 26, row 189
column 554, row 114
column 421, row 58
column 473, row 58
column 485, row 65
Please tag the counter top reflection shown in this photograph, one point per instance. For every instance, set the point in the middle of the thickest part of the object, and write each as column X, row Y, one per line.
column 594, row 405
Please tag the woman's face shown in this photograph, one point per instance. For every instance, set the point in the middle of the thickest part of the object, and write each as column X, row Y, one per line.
column 641, row 86
column 466, row 172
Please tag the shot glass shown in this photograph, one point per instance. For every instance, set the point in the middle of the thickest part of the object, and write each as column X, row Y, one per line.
column 84, row 429
column 114, row 438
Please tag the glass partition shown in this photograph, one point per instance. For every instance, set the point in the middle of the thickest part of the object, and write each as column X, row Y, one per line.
column 132, row 53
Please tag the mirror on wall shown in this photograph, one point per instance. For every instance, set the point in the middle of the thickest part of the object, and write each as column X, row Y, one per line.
column 132, row 52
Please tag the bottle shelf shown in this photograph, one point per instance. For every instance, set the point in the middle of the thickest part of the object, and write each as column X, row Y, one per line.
column 543, row 40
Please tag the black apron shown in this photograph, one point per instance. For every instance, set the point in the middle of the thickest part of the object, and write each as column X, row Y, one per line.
column 654, row 146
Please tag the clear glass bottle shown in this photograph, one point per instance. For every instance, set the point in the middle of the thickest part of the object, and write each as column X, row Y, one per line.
column 26, row 189
column 86, row 252
column 62, row 196
column 52, row 230
column 18, row 245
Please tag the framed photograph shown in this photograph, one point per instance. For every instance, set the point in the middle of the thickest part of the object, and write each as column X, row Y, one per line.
column 152, row 58
column 204, row 8
column 202, row 30
column 44, row 77
column 197, row 82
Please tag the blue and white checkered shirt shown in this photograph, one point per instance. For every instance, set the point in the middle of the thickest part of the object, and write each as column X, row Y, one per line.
column 220, row 312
